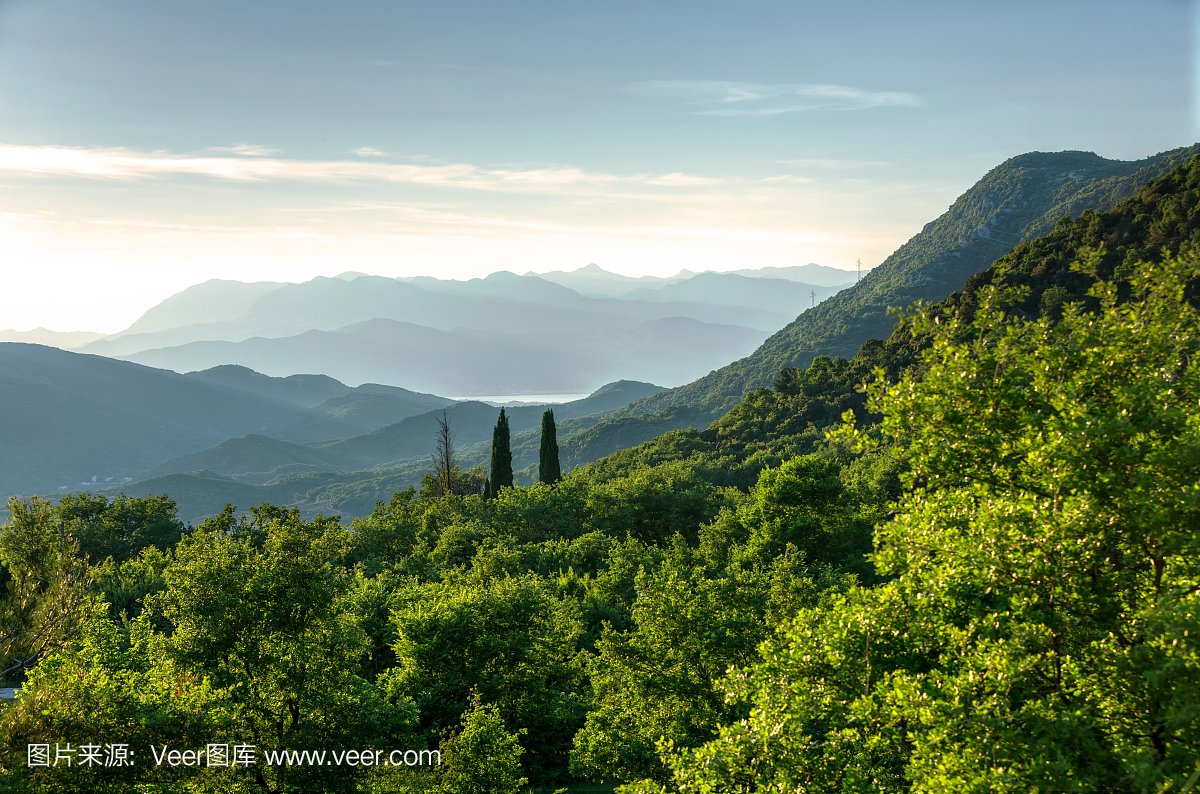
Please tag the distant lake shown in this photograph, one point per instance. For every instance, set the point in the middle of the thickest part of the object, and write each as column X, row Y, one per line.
column 514, row 399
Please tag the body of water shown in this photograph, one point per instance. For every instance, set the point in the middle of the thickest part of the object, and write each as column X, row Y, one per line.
column 522, row 399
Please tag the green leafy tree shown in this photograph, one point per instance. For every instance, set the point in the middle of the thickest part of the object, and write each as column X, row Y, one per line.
column 803, row 504
column 502, row 471
column 125, row 586
column 510, row 639
column 116, row 684
column 119, row 528
column 43, row 586
column 262, row 609
column 461, row 483
column 661, row 681
column 653, row 505
column 483, row 757
column 549, row 470
column 789, row 383
column 1039, row 630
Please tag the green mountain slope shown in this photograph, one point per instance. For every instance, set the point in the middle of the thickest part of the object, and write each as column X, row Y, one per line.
column 1017, row 201
column 769, row 425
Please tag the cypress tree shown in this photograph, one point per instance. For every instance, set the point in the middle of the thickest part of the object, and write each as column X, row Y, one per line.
column 549, row 471
column 502, row 473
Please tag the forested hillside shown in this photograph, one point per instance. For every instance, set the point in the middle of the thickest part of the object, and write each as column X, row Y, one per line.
column 1019, row 200
column 1036, row 279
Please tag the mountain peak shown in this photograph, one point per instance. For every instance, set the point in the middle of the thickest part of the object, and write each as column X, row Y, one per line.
column 592, row 269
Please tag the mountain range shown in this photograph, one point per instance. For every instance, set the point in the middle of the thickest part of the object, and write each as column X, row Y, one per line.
column 508, row 333
column 75, row 420
column 595, row 282
column 467, row 361
column 228, row 433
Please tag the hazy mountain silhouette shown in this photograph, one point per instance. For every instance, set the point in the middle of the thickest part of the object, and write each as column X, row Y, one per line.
column 69, row 417
column 731, row 289
column 259, row 458
column 468, row 361
column 501, row 303
column 65, row 340
column 85, row 421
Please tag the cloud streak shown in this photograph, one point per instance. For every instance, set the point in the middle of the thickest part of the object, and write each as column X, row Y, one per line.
column 126, row 164
column 730, row 98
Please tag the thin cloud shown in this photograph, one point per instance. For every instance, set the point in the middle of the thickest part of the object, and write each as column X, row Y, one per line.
column 681, row 180
column 787, row 179
column 126, row 164
column 367, row 151
column 248, row 149
column 821, row 162
column 729, row 98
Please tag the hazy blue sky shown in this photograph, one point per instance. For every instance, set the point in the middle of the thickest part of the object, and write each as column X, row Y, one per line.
column 146, row 146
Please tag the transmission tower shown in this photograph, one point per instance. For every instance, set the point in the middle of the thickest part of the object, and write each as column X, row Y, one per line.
column 859, row 271
column 813, row 294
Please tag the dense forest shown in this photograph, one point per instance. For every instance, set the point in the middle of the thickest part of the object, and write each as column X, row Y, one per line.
column 965, row 560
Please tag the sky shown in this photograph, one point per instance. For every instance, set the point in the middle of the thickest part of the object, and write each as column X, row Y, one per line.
column 146, row 146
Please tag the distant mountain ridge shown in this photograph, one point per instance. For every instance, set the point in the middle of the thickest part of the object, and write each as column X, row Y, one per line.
column 65, row 340
column 80, row 422
column 69, row 417
column 592, row 280
column 502, row 303
column 467, row 361
column 731, row 289
column 507, row 334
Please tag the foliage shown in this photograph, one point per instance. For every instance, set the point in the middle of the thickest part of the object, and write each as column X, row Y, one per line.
column 126, row 586
column 115, row 685
column 501, row 473
column 119, row 528
column 483, row 757
column 655, row 505
column 661, row 681
column 511, row 641
column 461, row 483
column 1037, row 633
column 45, row 585
column 804, row 504
column 549, row 470
column 258, row 608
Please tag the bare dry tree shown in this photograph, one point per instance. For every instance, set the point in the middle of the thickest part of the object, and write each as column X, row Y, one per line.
column 443, row 458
